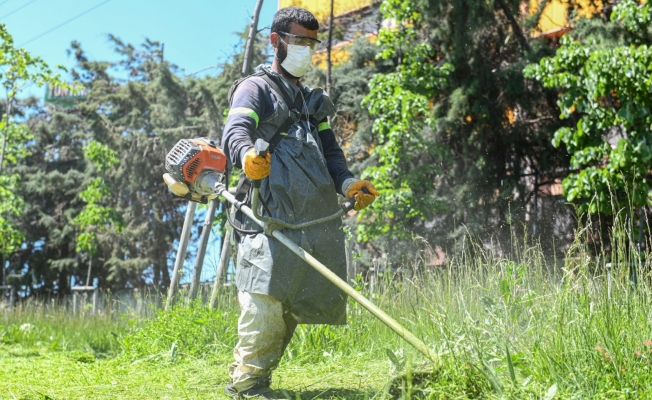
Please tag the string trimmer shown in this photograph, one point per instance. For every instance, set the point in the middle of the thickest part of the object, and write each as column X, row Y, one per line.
column 196, row 170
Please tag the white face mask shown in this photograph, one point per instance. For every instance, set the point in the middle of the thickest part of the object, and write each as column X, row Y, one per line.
column 298, row 60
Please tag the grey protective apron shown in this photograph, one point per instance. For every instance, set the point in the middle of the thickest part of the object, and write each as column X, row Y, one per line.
column 299, row 189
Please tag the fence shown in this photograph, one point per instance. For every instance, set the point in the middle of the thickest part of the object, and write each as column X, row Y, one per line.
column 89, row 301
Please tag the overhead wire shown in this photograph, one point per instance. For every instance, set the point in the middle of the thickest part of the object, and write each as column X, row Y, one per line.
column 64, row 23
column 4, row 2
column 16, row 10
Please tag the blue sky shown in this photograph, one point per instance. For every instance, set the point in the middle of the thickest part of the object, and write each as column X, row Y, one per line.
column 196, row 33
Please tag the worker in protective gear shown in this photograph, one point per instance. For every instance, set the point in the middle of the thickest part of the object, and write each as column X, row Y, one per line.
column 301, row 177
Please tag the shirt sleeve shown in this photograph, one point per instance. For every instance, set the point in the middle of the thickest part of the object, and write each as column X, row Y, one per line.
column 335, row 160
column 251, row 102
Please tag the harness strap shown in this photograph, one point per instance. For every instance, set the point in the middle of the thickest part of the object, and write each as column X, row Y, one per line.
column 243, row 190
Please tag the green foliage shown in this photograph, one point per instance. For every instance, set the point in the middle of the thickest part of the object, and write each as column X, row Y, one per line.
column 605, row 95
column 92, row 184
column 456, row 126
column 10, row 204
column 19, row 69
column 183, row 331
column 101, row 155
column 96, row 218
column 400, row 103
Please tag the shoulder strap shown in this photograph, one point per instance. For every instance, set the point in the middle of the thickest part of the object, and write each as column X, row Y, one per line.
column 296, row 105
column 237, row 82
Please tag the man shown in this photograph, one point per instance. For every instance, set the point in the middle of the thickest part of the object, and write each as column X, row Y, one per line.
column 300, row 181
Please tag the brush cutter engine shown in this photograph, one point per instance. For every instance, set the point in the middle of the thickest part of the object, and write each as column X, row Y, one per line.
column 194, row 167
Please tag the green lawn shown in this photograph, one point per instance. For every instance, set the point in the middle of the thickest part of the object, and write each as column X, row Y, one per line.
column 30, row 373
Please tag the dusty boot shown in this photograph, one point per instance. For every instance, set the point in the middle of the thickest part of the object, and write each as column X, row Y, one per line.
column 260, row 390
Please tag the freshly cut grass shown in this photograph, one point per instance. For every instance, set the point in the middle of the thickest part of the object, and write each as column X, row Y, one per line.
column 62, row 375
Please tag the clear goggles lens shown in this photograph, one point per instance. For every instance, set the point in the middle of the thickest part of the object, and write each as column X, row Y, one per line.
column 301, row 40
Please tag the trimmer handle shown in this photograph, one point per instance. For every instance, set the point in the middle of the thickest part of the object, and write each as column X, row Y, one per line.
column 262, row 148
column 348, row 205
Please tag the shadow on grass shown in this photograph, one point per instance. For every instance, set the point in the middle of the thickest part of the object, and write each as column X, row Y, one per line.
column 24, row 353
column 334, row 393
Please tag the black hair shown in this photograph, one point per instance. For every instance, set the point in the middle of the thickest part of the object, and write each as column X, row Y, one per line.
column 284, row 18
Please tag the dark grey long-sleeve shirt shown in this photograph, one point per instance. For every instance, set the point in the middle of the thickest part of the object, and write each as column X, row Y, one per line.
column 253, row 102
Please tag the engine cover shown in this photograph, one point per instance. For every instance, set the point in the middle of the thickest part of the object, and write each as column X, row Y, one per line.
column 198, row 163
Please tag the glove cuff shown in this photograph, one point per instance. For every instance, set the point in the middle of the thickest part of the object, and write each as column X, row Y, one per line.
column 346, row 185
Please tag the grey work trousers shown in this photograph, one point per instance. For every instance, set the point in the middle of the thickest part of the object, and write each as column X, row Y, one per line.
column 265, row 328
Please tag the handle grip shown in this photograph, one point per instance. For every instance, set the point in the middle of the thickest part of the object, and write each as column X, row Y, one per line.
column 348, row 205
column 262, row 148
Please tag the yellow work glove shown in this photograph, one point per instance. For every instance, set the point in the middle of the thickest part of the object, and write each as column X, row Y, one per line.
column 362, row 200
column 256, row 167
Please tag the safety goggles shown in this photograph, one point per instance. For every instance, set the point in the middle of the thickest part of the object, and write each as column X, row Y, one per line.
column 301, row 40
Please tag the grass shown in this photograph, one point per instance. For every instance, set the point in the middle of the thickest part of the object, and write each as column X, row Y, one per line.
column 518, row 327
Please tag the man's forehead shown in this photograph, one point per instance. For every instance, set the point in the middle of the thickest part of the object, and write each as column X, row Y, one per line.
column 299, row 30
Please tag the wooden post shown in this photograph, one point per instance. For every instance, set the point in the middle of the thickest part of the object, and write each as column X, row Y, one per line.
column 95, row 299
column 201, row 251
column 536, row 203
column 225, row 256
column 253, row 30
column 350, row 264
column 181, row 253
column 12, row 297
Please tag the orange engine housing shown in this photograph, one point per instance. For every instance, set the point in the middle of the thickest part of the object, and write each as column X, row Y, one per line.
column 208, row 157
column 190, row 157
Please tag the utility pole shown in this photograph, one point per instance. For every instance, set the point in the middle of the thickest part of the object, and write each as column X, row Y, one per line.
column 329, row 48
column 201, row 251
column 225, row 256
column 181, row 253
column 210, row 213
column 251, row 39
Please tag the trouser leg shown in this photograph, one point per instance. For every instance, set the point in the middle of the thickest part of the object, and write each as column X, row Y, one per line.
column 264, row 331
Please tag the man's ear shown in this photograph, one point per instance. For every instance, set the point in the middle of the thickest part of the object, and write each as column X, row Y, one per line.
column 273, row 39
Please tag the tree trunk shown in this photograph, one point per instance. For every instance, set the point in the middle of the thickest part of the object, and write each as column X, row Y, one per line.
column 5, row 132
column 253, row 30
column 515, row 26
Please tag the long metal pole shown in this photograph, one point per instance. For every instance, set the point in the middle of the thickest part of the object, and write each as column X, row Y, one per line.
column 181, row 253
column 201, row 250
column 346, row 288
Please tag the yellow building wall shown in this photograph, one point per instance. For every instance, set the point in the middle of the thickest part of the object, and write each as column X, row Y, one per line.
column 554, row 15
column 322, row 8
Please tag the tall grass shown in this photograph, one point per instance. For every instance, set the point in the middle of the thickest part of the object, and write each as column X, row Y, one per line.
column 29, row 327
column 524, row 326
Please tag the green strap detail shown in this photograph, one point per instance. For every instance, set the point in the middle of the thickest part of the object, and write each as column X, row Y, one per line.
column 246, row 111
column 323, row 126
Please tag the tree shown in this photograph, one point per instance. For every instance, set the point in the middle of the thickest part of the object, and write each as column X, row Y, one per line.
column 19, row 70
column 139, row 118
column 606, row 99
column 456, row 125
column 96, row 218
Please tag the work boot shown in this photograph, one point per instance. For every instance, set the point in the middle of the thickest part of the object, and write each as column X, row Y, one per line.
column 260, row 390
